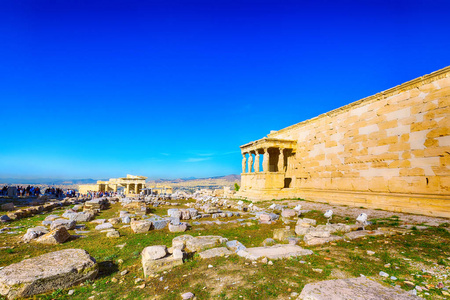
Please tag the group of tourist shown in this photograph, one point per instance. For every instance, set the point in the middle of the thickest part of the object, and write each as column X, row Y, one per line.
column 22, row 191
column 93, row 195
column 57, row 192
column 72, row 193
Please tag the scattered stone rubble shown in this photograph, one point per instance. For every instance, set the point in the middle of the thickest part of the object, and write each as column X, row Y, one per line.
column 160, row 258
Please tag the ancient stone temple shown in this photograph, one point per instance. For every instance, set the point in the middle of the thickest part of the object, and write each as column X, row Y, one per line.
column 389, row 151
column 130, row 184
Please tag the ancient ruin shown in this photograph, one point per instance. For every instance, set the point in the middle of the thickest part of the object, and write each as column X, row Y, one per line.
column 131, row 185
column 389, row 151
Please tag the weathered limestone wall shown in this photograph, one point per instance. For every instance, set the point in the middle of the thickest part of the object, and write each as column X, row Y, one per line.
column 390, row 150
column 84, row 188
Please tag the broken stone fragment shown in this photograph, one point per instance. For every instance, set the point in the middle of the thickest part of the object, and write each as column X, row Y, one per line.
column 151, row 266
column 154, row 252
column 201, row 243
column 7, row 206
column 54, row 237
column 33, row 233
column 81, row 216
column 181, row 227
column 51, row 271
column 4, row 219
column 113, row 234
column 274, row 252
column 104, row 226
column 288, row 213
column 68, row 224
column 360, row 288
column 215, row 252
column 180, row 241
column 140, row 226
column 282, row 234
column 235, row 246
column 312, row 240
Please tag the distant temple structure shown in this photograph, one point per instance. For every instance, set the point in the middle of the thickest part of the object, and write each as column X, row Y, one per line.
column 130, row 184
column 389, row 151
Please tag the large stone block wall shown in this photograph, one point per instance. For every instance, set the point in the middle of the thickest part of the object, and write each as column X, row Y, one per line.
column 390, row 150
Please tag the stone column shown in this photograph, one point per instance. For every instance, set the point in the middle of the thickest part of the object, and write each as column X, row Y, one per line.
column 136, row 188
column 250, row 162
column 281, row 161
column 244, row 162
column 266, row 160
column 256, row 162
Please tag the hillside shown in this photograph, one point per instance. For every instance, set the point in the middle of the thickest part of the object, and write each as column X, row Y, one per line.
column 192, row 184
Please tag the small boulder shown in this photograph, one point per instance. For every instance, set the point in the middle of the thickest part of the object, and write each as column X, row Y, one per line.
column 201, row 243
column 174, row 213
column 235, row 246
column 288, row 213
column 141, row 226
column 114, row 221
column 113, row 234
column 180, row 241
column 155, row 259
column 85, row 216
column 51, row 271
column 54, row 237
column 104, row 226
column 7, row 206
column 215, row 252
column 68, row 224
column 360, row 288
column 4, row 219
column 182, row 227
column 51, row 218
column 154, row 252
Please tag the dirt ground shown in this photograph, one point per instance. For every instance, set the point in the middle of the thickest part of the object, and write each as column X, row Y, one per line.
column 353, row 212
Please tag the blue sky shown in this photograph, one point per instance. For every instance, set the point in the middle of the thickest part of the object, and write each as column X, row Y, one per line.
column 171, row 89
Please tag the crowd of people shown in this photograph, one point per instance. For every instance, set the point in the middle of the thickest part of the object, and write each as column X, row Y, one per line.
column 57, row 192
column 21, row 191
column 93, row 195
column 35, row 191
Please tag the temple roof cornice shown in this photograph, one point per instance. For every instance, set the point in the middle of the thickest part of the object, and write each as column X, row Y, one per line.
column 269, row 143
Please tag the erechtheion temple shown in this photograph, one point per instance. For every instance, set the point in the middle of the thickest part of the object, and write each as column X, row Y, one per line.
column 389, row 151
column 131, row 184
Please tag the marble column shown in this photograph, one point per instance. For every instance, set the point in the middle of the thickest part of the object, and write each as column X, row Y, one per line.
column 281, row 161
column 256, row 162
column 244, row 162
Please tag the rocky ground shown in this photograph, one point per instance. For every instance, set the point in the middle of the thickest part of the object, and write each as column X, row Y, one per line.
column 211, row 248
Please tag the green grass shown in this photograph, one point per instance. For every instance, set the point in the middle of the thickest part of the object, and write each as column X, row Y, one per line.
column 234, row 276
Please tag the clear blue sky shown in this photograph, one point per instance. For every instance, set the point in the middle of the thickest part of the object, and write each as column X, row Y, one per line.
column 171, row 89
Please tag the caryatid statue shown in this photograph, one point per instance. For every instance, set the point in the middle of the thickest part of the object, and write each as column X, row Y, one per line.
column 281, row 161
column 250, row 162
column 256, row 166
column 266, row 160
column 244, row 162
